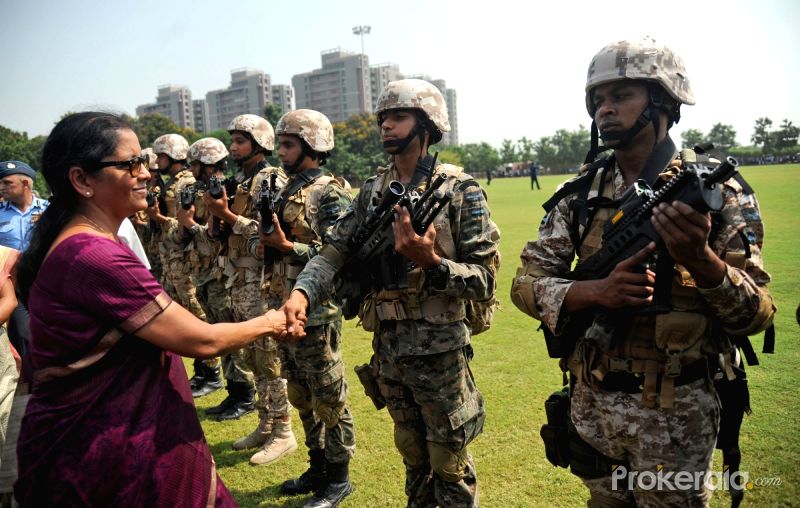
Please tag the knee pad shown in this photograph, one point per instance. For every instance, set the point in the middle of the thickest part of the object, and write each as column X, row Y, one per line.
column 447, row 464
column 410, row 444
column 328, row 413
column 299, row 396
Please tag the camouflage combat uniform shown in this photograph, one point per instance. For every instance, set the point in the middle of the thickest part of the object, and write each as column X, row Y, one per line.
column 178, row 269
column 423, row 349
column 313, row 366
column 246, row 277
column 676, row 427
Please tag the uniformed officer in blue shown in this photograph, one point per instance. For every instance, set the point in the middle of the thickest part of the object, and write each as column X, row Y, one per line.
column 20, row 208
column 19, row 211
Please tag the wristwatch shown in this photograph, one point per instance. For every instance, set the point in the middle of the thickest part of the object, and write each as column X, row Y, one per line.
column 437, row 275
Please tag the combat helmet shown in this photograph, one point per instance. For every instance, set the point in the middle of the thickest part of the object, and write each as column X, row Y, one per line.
column 151, row 158
column 173, row 146
column 314, row 130
column 420, row 95
column 208, row 151
column 311, row 126
column 646, row 60
column 258, row 128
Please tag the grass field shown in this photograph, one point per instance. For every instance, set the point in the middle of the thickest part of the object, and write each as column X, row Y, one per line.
column 515, row 376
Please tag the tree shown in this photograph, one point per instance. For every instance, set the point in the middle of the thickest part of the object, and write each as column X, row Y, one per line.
column 149, row 127
column 722, row 136
column 692, row 137
column 358, row 148
column 786, row 136
column 273, row 113
column 449, row 155
column 508, row 152
column 479, row 157
column 761, row 135
column 525, row 149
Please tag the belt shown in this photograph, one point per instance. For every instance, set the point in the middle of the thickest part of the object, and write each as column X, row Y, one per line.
column 629, row 382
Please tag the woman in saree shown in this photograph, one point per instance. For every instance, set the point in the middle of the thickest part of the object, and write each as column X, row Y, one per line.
column 111, row 420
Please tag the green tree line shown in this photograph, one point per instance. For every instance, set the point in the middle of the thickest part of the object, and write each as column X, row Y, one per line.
column 359, row 149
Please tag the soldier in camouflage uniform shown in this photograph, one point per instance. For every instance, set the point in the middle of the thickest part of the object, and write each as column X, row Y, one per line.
column 206, row 157
column 643, row 394
column 252, row 139
column 421, row 340
column 172, row 151
column 307, row 207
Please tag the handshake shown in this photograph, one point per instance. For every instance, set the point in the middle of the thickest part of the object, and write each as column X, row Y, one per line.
column 288, row 322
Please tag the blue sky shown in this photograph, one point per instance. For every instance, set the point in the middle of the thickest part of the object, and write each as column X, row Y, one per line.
column 518, row 67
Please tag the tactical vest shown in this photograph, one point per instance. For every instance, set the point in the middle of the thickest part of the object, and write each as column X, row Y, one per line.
column 299, row 216
column 175, row 249
column 656, row 346
column 416, row 302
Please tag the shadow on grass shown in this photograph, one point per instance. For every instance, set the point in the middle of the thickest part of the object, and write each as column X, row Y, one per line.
column 268, row 497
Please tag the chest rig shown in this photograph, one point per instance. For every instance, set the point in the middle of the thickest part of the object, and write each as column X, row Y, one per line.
column 388, row 302
column 663, row 348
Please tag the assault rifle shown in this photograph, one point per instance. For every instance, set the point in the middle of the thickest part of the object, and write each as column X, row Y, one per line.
column 629, row 230
column 266, row 209
column 372, row 243
column 187, row 197
column 214, row 190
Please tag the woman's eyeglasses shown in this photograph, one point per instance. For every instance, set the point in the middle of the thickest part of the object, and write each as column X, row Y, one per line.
column 134, row 166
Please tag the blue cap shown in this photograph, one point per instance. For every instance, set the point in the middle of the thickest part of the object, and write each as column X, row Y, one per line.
column 8, row 168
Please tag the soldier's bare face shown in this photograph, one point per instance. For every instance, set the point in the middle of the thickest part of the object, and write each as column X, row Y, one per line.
column 162, row 161
column 619, row 104
column 240, row 145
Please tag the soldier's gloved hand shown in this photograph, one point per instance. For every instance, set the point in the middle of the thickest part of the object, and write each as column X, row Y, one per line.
column 625, row 286
column 685, row 233
column 185, row 217
column 217, row 207
column 277, row 239
column 295, row 311
column 408, row 243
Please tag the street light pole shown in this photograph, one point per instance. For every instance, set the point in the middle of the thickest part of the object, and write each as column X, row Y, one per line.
column 361, row 30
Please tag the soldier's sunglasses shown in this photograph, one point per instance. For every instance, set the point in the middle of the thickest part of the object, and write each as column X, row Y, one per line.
column 134, row 166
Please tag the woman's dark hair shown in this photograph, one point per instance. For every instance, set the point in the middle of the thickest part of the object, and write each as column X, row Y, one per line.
column 79, row 139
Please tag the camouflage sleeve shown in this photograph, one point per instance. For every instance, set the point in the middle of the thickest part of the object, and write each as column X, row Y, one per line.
column 316, row 279
column 245, row 227
column 170, row 229
column 742, row 301
column 476, row 245
column 334, row 201
column 539, row 287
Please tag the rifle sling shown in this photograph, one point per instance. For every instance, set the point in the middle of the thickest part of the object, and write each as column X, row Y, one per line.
column 301, row 181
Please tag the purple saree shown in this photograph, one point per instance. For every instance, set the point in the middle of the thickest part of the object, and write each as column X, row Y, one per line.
column 111, row 420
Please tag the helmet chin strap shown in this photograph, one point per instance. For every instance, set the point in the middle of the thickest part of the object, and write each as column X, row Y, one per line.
column 244, row 160
column 305, row 152
column 401, row 144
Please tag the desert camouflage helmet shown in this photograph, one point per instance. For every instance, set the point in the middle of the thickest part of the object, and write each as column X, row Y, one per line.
column 151, row 158
column 257, row 127
column 311, row 126
column 415, row 94
column 643, row 59
column 174, row 146
column 208, row 151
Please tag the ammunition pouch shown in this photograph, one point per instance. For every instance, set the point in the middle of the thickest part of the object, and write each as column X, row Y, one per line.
column 437, row 309
column 368, row 376
column 565, row 448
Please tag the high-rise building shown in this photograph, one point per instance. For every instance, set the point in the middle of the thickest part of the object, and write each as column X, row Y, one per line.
column 248, row 92
column 283, row 96
column 172, row 101
column 200, row 109
column 450, row 98
column 380, row 76
column 340, row 89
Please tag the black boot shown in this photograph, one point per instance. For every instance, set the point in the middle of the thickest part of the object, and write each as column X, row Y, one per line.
column 242, row 405
column 313, row 480
column 199, row 378
column 338, row 487
column 212, row 381
column 234, row 389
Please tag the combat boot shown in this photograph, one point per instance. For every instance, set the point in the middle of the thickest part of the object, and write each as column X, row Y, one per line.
column 212, row 381
column 259, row 436
column 338, row 487
column 199, row 378
column 281, row 442
column 243, row 403
column 313, row 480
column 235, row 391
